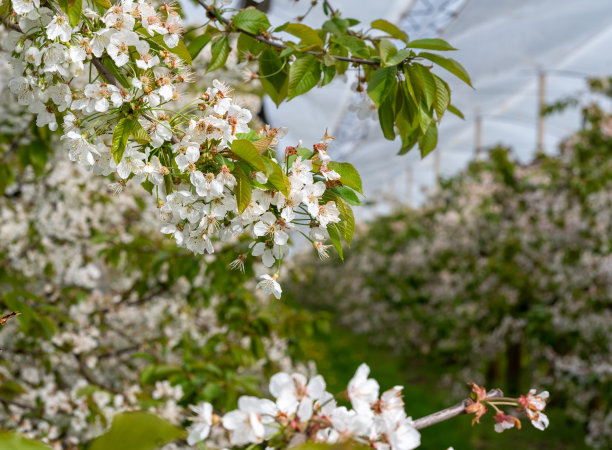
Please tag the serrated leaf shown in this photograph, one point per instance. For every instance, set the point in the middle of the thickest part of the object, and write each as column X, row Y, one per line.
column 347, row 195
column 449, row 64
column 243, row 189
column 121, row 135
column 137, row 430
column 386, row 50
column 139, row 134
column 276, row 177
column 220, row 51
column 304, row 74
column 103, row 3
column 399, row 57
column 197, row 44
column 431, row 44
column 353, row 44
column 274, row 76
column 348, row 174
column 346, row 226
column 251, row 20
column 426, row 83
column 429, row 140
column 308, row 36
column 75, row 7
column 443, row 94
column 247, row 152
column 382, row 84
column 386, row 118
column 456, row 111
column 334, row 237
column 390, row 29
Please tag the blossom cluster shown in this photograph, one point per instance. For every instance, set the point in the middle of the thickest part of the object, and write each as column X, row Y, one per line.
column 112, row 80
column 304, row 411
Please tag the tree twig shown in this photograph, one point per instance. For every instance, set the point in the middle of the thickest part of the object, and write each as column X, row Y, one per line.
column 451, row 412
column 282, row 45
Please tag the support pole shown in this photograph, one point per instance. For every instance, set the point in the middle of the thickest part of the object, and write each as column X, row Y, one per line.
column 541, row 106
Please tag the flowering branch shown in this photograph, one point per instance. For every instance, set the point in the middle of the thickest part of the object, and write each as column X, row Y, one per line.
column 453, row 411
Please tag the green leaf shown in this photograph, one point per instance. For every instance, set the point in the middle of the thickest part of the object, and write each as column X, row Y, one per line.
column 74, row 12
column 456, row 111
column 139, row 134
column 382, row 84
column 429, row 140
column 348, row 195
column 426, row 82
column 399, row 57
column 355, row 45
column 276, row 177
column 105, row 4
column 309, row 37
column 220, row 51
column 137, row 431
column 431, row 44
column 329, row 72
column 386, row 50
column 390, row 29
column 13, row 441
column 346, row 226
column 443, row 94
column 197, row 44
column 334, row 237
column 246, row 151
column 336, row 26
column 243, row 189
column 273, row 74
column 252, row 21
column 247, row 46
column 115, row 71
column 386, row 117
column 120, row 138
column 348, row 174
column 179, row 50
column 304, row 74
column 449, row 64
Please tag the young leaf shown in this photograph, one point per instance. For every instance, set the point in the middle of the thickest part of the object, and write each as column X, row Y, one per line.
column 431, row 44
column 243, row 189
column 382, row 84
column 329, row 72
column 334, row 237
column 346, row 226
column 348, row 174
column 304, row 74
column 273, row 75
column 386, row 50
column 429, row 140
column 277, row 177
column 355, row 45
column 139, row 134
column 309, row 37
column 105, row 4
column 120, row 138
column 74, row 12
column 442, row 96
column 247, row 152
column 386, row 117
column 399, row 57
column 449, row 64
column 348, row 195
column 390, row 29
column 220, row 51
column 197, row 44
column 456, row 111
column 426, row 82
column 251, row 20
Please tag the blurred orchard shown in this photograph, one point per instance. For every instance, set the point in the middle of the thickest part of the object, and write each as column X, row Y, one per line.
column 171, row 276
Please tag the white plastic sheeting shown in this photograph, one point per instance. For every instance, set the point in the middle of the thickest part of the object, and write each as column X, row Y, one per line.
column 504, row 44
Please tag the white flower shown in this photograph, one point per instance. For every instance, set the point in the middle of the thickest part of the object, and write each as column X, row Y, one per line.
column 268, row 225
column 201, row 423
column 362, row 391
column 23, row 7
column 59, row 28
column 119, row 46
column 294, row 395
column 246, row 424
column 266, row 253
column 173, row 25
column 269, row 285
column 534, row 404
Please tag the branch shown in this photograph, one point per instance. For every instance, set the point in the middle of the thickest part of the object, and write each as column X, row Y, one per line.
column 281, row 45
column 20, row 404
column 90, row 378
column 451, row 412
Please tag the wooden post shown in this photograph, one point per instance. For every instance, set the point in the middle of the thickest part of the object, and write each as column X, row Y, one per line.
column 541, row 106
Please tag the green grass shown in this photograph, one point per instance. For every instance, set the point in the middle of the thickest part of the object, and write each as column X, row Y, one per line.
column 339, row 354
